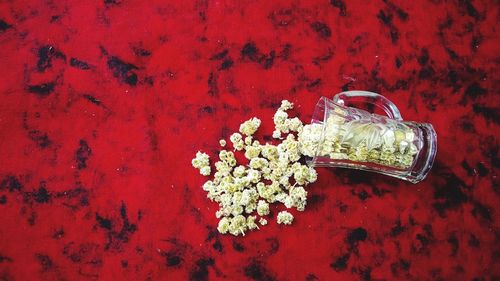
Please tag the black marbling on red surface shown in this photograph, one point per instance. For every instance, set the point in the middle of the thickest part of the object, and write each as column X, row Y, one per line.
column 105, row 103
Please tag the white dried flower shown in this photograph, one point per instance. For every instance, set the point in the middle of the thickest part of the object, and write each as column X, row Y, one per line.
column 309, row 139
column 201, row 160
column 224, row 224
column 239, row 171
column 205, row 170
column 222, row 142
column 295, row 125
column 252, row 152
column 238, row 225
column 277, row 134
column 251, row 222
column 249, row 127
column 285, row 217
column 286, row 105
column 237, row 141
column 262, row 208
column 279, row 117
column 248, row 140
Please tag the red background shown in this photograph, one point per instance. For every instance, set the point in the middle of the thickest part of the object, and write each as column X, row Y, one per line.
column 103, row 105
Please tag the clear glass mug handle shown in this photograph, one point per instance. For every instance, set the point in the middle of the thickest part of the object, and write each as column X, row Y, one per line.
column 373, row 98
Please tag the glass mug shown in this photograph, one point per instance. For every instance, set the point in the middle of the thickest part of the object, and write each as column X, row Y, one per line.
column 353, row 138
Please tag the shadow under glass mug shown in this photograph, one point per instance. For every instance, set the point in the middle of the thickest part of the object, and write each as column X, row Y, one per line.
column 357, row 139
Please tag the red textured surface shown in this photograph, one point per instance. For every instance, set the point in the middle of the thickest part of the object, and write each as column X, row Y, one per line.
column 104, row 104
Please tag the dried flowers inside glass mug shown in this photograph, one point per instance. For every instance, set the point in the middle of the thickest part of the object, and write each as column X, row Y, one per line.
column 348, row 137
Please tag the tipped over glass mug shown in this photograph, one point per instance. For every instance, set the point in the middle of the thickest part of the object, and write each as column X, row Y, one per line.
column 353, row 138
